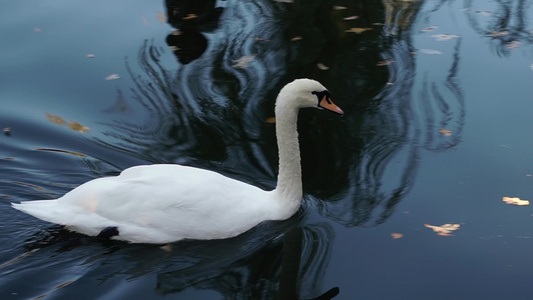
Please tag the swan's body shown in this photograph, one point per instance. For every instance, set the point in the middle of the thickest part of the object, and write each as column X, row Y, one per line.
column 166, row 203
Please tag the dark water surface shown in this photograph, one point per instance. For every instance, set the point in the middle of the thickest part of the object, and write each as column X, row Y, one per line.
column 437, row 130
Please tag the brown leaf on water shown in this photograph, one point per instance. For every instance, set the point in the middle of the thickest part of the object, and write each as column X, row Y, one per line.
column 396, row 235
column 350, row 18
column 431, row 28
column 78, row 127
column 498, row 33
column 513, row 45
column 385, row 62
column 55, row 119
column 359, row 30
column 444, row 230
column 62, row 151
column 18, row 258
column 445, row 132
column 515, row 201
column 161, row 17
column 190, row 17
column 271, row 120
column 322, row 67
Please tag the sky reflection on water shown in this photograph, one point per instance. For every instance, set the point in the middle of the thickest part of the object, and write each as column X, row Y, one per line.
column 437, row 97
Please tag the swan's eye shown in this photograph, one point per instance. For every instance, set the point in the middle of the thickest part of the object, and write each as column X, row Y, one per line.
column 323, row 95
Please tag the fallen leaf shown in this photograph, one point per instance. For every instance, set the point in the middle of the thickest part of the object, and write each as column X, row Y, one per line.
column 444, row 230
column 322, row 66
column 64, row 284
column 359, row 30
column 112, row 77
column 350, row 18
column 78, row 127
column 271, row 120
column 55, row 119
column 385, row 62
column 430, row 51
column 190, row 17
column 18, row 258
column 396, row 236
column 243, row 62
column 431, row 28
column 61, row 151
column 445, row 132
column 444, row 37
column 296, row 38
column 515, row 201
column 161, row 17
column 513, row 45
column 498, row 33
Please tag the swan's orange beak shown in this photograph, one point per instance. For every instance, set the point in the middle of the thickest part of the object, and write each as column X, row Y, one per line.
column 326, row 103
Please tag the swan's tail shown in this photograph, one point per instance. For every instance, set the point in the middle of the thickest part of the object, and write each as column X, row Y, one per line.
column 41, row 209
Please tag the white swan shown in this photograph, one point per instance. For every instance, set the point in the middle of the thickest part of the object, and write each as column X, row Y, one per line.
column 166, row 203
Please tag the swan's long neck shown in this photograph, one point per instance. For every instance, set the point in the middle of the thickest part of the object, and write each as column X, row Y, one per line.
column 288, row 192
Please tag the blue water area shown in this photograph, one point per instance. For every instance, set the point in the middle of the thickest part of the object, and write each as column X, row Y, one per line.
column 403, row 194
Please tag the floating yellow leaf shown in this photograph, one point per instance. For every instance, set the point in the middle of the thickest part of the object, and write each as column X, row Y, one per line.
column 55, row 119
column 161, row 17
column 445, row 132
column 515, row 201
column 444, row 230
column 396, row 235
column 358, row 30
column 78, row 127
column 271, row 120
column 385, row 62
column 190, row 17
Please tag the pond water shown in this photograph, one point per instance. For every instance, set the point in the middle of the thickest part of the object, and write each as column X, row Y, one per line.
column 436, row 131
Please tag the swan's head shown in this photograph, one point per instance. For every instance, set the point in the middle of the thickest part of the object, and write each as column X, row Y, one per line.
column 307, row 93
